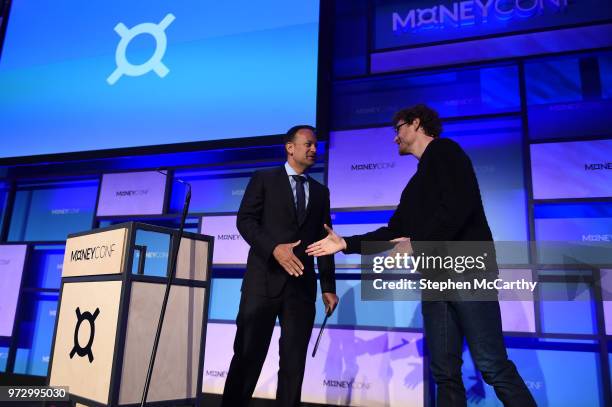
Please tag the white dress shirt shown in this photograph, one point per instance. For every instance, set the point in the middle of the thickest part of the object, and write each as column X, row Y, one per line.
column 290, row 172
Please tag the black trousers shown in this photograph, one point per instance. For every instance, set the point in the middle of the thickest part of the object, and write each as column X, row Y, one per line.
column 446, row 324
column 255, row 323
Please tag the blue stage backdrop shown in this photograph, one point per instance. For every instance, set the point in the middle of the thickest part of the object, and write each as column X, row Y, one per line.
column 230, row 69
column 524, row 86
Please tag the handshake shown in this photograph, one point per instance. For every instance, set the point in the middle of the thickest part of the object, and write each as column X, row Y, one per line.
column 331, row 244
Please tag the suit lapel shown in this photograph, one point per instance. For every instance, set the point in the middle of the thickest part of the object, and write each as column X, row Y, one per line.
column 286, row 191
column 313, row 196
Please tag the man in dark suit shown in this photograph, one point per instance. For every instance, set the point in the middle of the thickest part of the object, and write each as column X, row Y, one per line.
column 283, row 210
column 442, row 203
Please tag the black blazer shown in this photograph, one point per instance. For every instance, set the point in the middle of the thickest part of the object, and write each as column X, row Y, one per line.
column 441, row 202
column 267, row 217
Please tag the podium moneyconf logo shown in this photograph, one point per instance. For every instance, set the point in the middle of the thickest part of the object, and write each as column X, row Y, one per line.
column 93, row 253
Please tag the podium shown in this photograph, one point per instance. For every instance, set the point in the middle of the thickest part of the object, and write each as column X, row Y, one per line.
column 113, row 284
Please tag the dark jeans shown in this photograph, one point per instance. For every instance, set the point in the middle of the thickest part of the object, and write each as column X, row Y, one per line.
column 446, row 324
column 255, row 323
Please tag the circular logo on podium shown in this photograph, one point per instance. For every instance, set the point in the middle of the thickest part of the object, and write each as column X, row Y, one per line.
column 84, row 350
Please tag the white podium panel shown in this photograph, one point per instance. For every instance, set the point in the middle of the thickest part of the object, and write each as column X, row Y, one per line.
column 85, row 344
column 109, row 310
column 176, row 367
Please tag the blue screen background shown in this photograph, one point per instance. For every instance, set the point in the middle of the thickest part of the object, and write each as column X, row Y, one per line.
column 49, row 212
column 36, row 336
column 237, row 69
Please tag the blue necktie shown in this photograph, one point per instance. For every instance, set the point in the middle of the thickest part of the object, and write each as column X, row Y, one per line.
column 301, row 197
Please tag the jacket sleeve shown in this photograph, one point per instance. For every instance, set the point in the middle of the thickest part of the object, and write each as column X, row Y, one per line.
column 250, row 216
column 459, row 194
column 392, row 231
column 326, row 264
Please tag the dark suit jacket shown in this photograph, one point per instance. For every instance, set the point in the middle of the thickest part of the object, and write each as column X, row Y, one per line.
column 267, row 217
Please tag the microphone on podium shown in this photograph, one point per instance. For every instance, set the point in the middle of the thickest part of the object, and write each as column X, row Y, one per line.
column 173, row 258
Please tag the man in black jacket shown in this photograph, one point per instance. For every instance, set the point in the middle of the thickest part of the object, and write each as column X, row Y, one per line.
column 442, row 203
column 283, row 210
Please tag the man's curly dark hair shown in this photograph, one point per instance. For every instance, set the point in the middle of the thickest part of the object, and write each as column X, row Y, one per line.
column 429, row 120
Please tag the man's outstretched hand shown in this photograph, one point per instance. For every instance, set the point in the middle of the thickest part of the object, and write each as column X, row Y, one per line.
column 283, row 253
column 331, row 244
column 402, row 245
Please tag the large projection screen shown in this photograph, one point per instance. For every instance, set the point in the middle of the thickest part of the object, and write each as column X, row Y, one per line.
column 80, row 76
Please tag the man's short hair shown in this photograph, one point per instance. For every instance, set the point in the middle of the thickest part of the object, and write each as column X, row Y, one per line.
column 429, row 120
column 290, row 136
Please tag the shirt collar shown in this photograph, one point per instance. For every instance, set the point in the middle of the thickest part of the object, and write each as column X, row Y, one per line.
column 291, row 171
